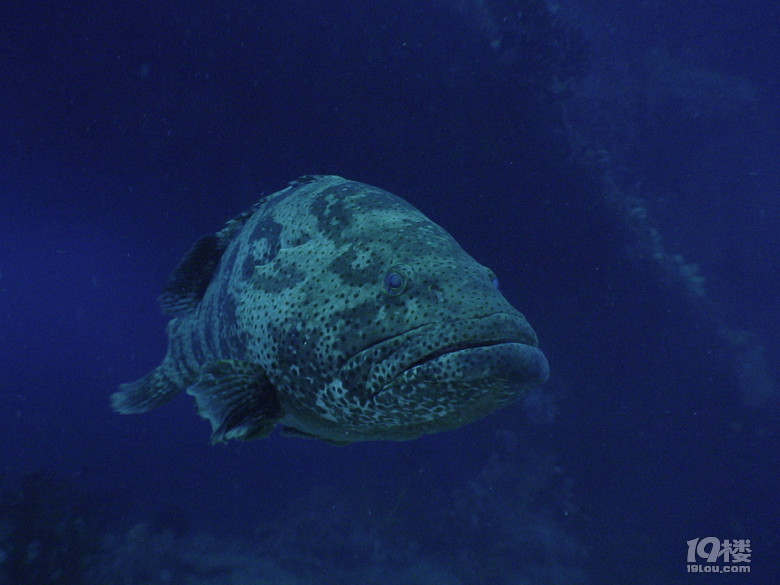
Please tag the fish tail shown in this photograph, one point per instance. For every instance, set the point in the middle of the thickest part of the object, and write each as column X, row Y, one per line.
column 151, row 391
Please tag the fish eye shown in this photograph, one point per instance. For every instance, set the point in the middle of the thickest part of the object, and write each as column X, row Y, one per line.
column 395, row 281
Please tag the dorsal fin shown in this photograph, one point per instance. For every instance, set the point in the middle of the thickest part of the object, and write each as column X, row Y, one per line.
column 189, row 280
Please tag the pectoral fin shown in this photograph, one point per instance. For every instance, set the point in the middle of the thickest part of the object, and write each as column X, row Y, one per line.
column 238, row 400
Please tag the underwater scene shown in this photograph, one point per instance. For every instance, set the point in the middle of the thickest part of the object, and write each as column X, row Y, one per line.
column 444, row 292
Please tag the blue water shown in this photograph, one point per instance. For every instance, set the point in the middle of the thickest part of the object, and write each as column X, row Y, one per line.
column 616, row 165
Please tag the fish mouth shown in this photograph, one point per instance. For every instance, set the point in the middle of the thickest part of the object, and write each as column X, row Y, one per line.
column 500, row 364
column 498, row 349
column 462, row 346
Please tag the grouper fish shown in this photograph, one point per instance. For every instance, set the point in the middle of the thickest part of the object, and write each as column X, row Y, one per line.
column 336, row 310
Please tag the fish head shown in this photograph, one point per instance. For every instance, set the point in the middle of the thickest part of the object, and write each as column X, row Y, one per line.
column 388, row 328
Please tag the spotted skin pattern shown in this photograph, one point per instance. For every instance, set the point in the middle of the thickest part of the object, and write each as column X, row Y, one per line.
column 338, row 311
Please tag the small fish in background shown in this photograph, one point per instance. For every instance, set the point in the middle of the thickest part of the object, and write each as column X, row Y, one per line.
column 337, row 311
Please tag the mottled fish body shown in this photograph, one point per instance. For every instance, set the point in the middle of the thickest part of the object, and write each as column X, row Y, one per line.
column 338, row 311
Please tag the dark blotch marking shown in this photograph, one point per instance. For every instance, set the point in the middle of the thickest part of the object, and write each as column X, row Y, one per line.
column 337, row 206
column 270, row 231
column 283, row 277
column 343, row 266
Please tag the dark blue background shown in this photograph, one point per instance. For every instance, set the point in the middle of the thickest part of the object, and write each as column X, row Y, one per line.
column 128, row 129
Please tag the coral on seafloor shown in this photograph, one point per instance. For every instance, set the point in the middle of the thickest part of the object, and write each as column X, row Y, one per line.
column 49, row 532
column 506, row 525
